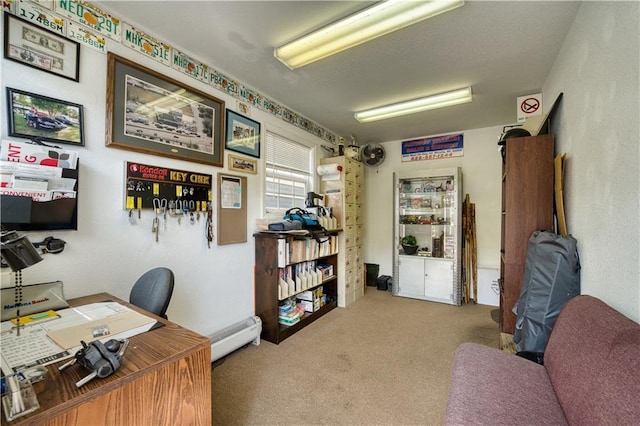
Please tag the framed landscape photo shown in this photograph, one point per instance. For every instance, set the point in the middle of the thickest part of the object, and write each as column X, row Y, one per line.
column 40, row 48
column 242, row 164
column 34, row 116
column 149, row 112
column 243, row 134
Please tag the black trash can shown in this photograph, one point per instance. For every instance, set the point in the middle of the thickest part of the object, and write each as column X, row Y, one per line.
column 372, row 274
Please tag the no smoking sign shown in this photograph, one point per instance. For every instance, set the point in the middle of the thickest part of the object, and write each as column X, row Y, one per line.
column 529, row 106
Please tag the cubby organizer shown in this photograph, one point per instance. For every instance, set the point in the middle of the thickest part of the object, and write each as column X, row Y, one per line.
column 36, row 194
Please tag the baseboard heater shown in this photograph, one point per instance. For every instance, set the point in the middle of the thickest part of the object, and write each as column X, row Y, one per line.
column 235, row 336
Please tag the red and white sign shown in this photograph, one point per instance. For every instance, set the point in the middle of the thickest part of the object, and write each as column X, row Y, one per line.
column 529, row 106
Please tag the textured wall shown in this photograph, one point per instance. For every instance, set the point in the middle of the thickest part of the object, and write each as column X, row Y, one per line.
column 597, row 126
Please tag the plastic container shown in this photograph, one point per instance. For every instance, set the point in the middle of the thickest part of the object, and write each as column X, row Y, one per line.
column 384, row 281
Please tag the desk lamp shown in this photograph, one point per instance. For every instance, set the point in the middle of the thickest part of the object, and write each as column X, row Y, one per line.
column 18, row 252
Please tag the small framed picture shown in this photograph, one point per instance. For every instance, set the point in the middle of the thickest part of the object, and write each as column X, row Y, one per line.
column 40, row 48
column 243, row 134
column 242, row 164
column 35, row 116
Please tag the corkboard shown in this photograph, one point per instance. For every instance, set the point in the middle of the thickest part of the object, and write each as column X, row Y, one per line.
column 232, row 209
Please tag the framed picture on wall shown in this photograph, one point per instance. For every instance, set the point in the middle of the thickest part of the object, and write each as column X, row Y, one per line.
column 243, row 134
column 34, row 116
column 40, row 48
column 242, row 164
column 149, row 112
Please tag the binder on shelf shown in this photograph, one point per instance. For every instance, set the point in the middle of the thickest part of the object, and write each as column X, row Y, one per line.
column 282, row 247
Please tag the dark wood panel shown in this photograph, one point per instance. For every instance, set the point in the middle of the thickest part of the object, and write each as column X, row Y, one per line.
column 527, row 207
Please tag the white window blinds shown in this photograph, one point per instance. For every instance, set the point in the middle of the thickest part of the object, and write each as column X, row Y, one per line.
column 288, row 173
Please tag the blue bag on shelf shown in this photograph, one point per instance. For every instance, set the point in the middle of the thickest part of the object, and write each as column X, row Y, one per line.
column 308, row 220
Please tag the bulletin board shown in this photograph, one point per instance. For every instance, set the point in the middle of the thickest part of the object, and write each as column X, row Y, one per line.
column 232, row 209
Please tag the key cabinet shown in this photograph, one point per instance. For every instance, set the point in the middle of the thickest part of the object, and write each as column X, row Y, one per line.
column 345, row 196
column 306, row 266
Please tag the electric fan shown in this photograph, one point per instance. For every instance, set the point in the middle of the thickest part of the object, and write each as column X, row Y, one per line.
column 372, row 154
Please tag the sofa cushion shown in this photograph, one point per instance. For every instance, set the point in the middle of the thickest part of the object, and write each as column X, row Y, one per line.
column 489, row 386
column 593, row 361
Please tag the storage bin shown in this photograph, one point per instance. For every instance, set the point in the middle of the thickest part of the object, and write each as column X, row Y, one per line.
column 384, row 281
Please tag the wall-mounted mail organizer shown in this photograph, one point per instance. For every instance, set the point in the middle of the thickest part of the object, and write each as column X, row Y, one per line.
column 165, row 189
column 39, row 187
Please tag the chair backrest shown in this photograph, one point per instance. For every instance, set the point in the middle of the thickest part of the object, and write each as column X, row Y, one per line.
column 152, row 291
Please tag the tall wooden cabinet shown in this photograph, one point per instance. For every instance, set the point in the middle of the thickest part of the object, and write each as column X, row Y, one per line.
column 278, row 258
column 346, row 197
column 527, row 206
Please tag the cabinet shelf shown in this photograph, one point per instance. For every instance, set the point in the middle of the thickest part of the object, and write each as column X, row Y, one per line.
column 328, row 280
column 285, row 331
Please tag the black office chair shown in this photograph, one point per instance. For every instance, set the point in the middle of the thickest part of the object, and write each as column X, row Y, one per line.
column 152, row 291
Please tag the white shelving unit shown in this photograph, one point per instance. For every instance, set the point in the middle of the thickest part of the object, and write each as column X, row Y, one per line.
column 428, row 205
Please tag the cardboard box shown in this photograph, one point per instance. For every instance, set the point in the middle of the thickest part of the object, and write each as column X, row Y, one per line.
column 326, row 271
column 311, row 295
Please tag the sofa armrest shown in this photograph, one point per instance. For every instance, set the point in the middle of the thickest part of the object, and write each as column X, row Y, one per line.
column 489, row 386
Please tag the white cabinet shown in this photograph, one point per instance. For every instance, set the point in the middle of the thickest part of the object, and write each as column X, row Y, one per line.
column 428, row 206
column 426, row 278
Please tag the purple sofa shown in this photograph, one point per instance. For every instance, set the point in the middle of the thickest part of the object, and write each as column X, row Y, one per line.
column 591, row 375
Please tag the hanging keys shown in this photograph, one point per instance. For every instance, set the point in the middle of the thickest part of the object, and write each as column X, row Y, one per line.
column 155, row 227
column 164, row 206
column 209, row 225
column 192, row 208
column 179, row 211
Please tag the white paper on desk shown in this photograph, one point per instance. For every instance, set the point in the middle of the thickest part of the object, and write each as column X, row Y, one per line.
column 99, row 329
column 34, row 347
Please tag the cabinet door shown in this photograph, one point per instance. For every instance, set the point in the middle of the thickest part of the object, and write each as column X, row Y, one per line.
column 439, row 279
column 411, row 276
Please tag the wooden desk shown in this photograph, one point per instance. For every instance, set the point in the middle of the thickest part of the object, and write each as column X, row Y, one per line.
column 164, row 379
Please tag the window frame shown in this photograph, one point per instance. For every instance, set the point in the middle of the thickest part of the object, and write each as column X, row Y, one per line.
column 295, row 137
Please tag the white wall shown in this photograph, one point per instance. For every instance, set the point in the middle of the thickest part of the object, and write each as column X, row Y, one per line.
column 214, row 287
column 481, row 179
column 598, row 127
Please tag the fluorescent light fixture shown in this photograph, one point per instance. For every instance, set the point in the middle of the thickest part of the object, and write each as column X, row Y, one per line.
column 441, row 100
column 380, row 19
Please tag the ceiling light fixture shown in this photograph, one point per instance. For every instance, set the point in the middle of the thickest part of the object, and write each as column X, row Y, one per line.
column 380, row 19
column 441, row 100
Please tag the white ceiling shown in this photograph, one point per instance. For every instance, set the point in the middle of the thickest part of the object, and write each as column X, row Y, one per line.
column 502, row 49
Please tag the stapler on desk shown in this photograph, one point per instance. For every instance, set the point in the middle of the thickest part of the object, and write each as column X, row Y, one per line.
column 102, row 359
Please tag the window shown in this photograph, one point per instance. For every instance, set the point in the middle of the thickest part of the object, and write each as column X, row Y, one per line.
column 288, row 173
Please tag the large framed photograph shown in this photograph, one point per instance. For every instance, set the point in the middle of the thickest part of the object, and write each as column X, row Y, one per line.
column 243, row 134
column 34, row 116
column 40, row 48
column 242, row 164
column 149, row 112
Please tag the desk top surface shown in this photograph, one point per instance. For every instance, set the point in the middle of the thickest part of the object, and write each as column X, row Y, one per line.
column 147, row 352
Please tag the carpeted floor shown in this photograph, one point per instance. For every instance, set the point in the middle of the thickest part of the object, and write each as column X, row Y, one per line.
column 384, row 360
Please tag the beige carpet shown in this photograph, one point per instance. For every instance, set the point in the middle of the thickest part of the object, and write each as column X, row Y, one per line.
column 384, row 360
